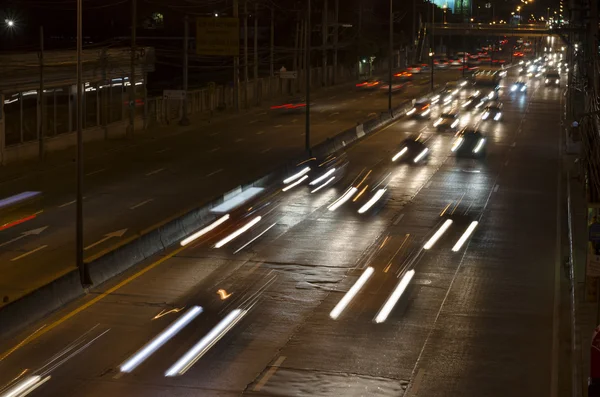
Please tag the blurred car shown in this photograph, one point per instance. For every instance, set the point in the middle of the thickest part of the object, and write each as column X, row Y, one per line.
column 396, row 87
column 455, row 62
column 519, row 86
column 418, row 68
column 412, row 150
column 330, row 171
column 473, row 101
column 368, row 85
column 404, row 75
column 469, row 143
column 492, row 111
column 291, row 106
column 420, row 110
column 552, row 78
column 441, row 63
column 447, row 121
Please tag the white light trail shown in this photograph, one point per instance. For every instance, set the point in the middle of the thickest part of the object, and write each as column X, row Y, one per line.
column 399, row 154
column 293, row 185
column 238, row 232
column 343, row 303
column 425, row 113
column 322, row 177
column 141, row 355
column 254, row 239
column 411, row 111
column 371, row 202
column 297, row 175
column 420, row 156
column 455, row 123
column 457, row 144
column 388, row 306
column 438, row 234
column 345, row 197
column 323, row 185
column 202, row 232
column 465, row 236
column 497, row 116
column 479, row 145
column 438, row 122
column 199, row 349
column 26, row 386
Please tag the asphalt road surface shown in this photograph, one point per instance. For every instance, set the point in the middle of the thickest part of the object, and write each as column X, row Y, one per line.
column 135, row 188
column 478, row 321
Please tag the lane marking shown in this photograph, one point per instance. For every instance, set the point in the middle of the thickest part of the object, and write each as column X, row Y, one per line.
column 506, row 163
column 427, row 185
column 265, row 150
column 398, row 219
column 333, row 97
column 334, row 114
column 294, row 120
column 163, row 150
column 496, row 188
column 28, row 253
column 155, row 171
column 514, row 144
column 214, row 133
column 253, row 121
column 33, row 232
column 95, row 172
column 263, row 381
column 214, row 173
column 91, row 302
column 108, row 236
column 262, row 113
column 140, row 204
column 417, row 382
column 214, row 150
column 66, row 204
column 279, row 125
column 239, row 140
column 333, row 122
column 260, row 132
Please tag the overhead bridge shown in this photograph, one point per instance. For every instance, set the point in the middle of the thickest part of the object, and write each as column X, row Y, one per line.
column 485, row 29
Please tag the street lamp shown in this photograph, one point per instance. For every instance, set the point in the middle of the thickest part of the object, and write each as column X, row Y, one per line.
column 10, row 23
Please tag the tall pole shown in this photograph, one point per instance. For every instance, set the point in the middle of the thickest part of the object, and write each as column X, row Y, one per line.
column 296, row 52
column 307, row 57
column 245, row 53
column 335, row 40
column 186, row 33
column 414, row 23
column 132, row 69
column 359, row 39
column 84, row 276
column 391, row 60
column 236, row 66
column 432, row 51
column 41, row 98
column 256, row 98
column 272, row 60
column 325, row 32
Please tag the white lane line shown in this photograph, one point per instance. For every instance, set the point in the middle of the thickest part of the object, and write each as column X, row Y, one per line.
column 214, row 173
column 333, row 122
column 163, row 150
column 28, row 253
column 239, row 140
column 95, row 172
column 279, row 126
column 506, row 163
column 496, row 188
column 214, row 133
column 398, row 219
column 322, row 110
column 294, row 120
column 253, row 121
column 416, row 384
column 140, row 204
column 69, row 203
column 514, row 144
column 262, row 114
column 334, row 114
column 263, row 381
column 333, row 97
column 214, row 150
column 155, row 172
column 427, row 185
column 260, row 132
column 107, row 236
column 265, row 150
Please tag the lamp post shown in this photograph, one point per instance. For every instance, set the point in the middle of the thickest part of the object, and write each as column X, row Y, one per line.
column 391, row 60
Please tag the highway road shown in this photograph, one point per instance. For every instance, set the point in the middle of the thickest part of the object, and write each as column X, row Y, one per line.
column 480, row 320
column 133, row 189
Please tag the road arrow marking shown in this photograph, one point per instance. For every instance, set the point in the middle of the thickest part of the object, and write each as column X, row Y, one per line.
column 28, row 253
column 118, row 233
column 33, row 232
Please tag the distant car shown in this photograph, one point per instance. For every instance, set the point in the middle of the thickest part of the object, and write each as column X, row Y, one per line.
column 492, row 111
column 368, row 85
column 440, row 64
column 396, row 87
column 519, row 86
column 421, row 110
column 447, row 121
column 403, row 76
column 411, row 150
column 455, row 62
column 552, row 78
column 293, row 105
column 472, row 102
column 418, row 68
column 469, row 143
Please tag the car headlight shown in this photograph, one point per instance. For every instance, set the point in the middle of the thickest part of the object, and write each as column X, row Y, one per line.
column 425, row 113
column 547, row 80
column 557, row 81
column 437, row 122
column 523, row 88
column 411, row 111
column 513, row 88
column 485, row 116
column 455, row 123
column 457, row 144
column 491, row 95
column 497, row 116
column 467, row 103
column 479, row 145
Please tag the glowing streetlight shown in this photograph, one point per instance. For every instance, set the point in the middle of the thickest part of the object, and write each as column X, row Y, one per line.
column 10, row 23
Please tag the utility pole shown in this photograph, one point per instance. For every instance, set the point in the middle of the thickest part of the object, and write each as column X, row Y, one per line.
column 236, row 66
column 335, row 40
column 245, row 53
column 358, row 42
column 84, row 275
column 414, row 23
column 186, row 33
column 391, row 60
column 296, row 51
column 325, row 32
column 307, row 57
column 272, row 60
column 432, row 51
column 132, row 69
column 256, row 97
column 41, row 99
